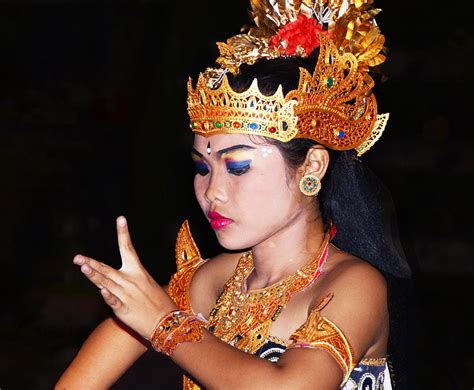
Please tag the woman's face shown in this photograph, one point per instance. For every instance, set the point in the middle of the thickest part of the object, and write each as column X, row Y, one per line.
column 245, row 189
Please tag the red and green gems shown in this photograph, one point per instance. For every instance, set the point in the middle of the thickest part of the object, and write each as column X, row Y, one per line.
column 310, row 183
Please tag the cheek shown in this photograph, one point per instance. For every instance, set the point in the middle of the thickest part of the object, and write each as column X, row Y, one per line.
column 200, row 185
column 267, row 196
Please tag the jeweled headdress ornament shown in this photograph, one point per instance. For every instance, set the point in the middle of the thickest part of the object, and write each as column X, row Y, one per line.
column 334, row 106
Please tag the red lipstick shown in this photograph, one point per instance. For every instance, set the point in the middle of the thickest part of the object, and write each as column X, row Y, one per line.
column 218, row 221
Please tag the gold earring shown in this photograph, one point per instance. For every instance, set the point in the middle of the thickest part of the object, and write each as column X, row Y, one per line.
column 310, row 185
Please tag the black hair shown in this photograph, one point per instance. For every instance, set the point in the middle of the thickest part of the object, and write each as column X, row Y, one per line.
column 272, row 73
column 355, row 200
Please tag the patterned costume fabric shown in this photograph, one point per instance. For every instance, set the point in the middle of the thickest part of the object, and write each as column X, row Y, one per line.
column 367, row 375
column 370, row 374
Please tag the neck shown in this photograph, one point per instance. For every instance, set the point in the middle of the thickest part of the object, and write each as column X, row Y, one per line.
column 286, row 251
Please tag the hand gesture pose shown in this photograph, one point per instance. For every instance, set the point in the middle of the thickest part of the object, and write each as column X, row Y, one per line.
column 134, row 296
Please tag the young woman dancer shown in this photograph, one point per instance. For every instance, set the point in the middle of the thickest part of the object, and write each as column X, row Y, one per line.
column 301, row 300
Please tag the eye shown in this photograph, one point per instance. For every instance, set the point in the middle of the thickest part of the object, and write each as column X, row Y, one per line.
column 238, row 168
column 238, row 172
column 201, row 169
column 202, row 172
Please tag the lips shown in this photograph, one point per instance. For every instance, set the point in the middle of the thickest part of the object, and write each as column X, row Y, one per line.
column 218, row 221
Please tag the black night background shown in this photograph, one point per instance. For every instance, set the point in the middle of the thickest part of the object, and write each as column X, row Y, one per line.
column 93, row 125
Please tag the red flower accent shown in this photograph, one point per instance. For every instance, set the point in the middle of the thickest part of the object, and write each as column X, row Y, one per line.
column 299, row 37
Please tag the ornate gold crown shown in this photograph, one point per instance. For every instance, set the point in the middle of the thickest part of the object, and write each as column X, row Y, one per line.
column 334, row 106
column 221, row 110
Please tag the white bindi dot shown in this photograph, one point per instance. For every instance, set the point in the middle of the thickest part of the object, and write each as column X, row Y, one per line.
column 266, row 151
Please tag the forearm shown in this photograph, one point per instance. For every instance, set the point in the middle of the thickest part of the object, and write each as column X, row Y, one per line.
column 217, row 365
column 108, row 352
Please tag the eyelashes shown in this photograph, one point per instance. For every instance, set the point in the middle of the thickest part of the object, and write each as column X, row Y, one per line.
column 201, row 168
column 237, row 168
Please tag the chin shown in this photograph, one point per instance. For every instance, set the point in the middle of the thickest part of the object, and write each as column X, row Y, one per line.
column 231, row 240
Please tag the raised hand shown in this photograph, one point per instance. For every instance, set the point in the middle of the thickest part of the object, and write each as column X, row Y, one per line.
column 134, row 296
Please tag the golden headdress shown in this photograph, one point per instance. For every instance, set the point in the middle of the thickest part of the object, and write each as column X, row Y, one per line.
column 334, row 106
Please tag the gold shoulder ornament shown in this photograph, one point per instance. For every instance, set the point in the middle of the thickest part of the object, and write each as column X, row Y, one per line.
column 334, row 105
column 188, row 260
column 319, row 332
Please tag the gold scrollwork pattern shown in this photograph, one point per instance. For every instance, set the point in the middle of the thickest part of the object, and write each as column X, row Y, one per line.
column 319, row 332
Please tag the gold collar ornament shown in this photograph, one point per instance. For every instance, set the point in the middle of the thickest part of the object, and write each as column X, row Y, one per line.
column 244, row 318
column 333, row 106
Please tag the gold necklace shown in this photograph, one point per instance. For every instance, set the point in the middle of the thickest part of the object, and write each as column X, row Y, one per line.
column 243, row 319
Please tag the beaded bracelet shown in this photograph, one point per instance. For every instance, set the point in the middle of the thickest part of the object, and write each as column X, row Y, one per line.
column 175, row 328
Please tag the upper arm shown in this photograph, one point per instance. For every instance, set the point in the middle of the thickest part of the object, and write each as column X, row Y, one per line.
column 107, row 353
column 359, row 311
column 359, row 307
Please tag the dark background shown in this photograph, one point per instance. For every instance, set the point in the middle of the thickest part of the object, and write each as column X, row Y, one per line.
column 93, row 125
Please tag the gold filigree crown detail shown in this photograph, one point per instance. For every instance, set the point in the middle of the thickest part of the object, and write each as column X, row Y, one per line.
column 221, row 110
column 333, row 106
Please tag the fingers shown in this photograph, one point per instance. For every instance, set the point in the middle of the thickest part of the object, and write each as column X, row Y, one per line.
column 87, row 262
column 127, row 251
column 100, row 274
column 111, row 299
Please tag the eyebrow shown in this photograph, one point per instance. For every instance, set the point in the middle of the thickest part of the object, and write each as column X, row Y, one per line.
column 194, row 151
column 226, row 150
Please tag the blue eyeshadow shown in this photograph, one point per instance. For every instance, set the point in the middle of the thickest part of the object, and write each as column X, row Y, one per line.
column 238, row 164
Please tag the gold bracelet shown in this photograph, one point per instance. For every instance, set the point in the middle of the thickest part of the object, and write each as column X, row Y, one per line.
column 175, row 328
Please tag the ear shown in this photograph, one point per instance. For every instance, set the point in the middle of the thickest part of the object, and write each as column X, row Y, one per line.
column 316, row 162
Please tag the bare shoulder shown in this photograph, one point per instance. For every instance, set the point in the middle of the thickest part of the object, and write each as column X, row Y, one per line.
column 209, row 280
column 217, row 270
column 353, row 278
column 355, row 275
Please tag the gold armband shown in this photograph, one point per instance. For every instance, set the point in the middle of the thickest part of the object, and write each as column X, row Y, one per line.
column 319, row 332
column 175, row 328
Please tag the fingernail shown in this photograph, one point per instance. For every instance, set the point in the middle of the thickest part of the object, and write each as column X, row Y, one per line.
column 79, row 260
column 122, row 221
column 86, row 269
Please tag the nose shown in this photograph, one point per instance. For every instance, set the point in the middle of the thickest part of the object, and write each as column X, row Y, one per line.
column 216, row 191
